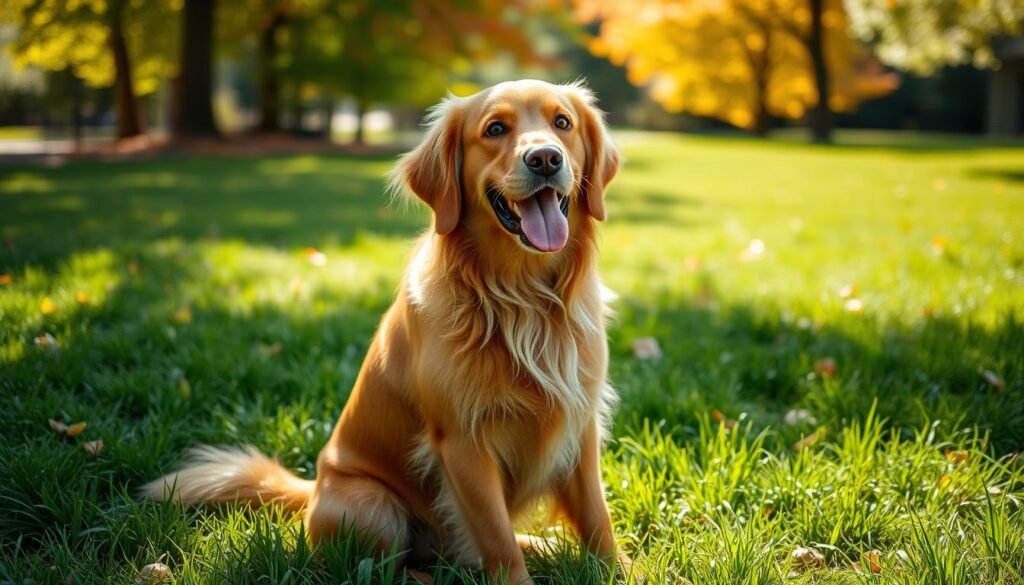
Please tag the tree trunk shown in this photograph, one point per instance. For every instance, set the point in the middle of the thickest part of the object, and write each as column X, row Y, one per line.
column 75, row 89
column 129, row 118
column 360, row 137
column 761, row 63
column 270, row 84
column 195, row 110
column 820, row 115
column 328, row 111
column 298, row 109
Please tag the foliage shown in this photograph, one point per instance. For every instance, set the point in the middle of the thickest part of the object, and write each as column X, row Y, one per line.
column 185, row 307
column 924, row 35
column 73, row 34
column 732, row 59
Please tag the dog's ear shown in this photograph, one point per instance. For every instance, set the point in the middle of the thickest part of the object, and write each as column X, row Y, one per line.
column 602, row 156
column 433, row 170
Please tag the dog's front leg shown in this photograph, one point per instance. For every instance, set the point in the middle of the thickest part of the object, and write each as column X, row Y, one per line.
column 581, row 499
column 475, row 482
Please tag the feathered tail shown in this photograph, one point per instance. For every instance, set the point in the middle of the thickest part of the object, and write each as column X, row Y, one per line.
column 219, row 474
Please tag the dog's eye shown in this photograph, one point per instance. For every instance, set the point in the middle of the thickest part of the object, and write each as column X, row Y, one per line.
column 562, row 122
column 495, row 129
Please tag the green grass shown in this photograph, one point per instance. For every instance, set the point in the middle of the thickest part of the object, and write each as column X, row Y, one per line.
column 185, row 310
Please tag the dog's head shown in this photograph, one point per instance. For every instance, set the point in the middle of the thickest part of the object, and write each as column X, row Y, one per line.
column 514, row 162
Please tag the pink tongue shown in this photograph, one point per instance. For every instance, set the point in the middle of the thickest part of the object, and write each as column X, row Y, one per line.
column 542, row 221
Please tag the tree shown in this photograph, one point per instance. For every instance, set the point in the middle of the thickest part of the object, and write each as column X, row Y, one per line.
column 104, row 43
column 380, row 51
column 923, row 35
column 193, row 108
column 742, row 61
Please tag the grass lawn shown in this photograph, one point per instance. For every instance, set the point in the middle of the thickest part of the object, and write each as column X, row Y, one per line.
column 841, row 328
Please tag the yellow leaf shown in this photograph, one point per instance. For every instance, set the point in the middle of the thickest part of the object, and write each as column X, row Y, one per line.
column 944, row 480
column 76, row 429
column 184, row 387
column 183, row 315
column 957, row 457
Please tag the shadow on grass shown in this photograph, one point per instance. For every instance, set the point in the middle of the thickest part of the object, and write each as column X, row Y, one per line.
column 287, row 201
column 1010, row 175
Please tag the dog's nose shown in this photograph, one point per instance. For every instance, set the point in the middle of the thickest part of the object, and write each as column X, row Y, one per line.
column 543, row 160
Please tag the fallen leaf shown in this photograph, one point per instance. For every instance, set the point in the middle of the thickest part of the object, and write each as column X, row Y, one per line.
column 268, row 351
column 183, row 315
column 848, row 290
column 184, row 387
column 720, row 418
column 93, row 448
column 82, row 297
column 152, row 574
column 804, row 558
column 6, row 279
column 825, row 367
column 75, row 429
column 993, row 380
column 853, row 305
column 810, row 439
column 646, row 348
column 316, row 257
column 47, row 306
column 46, row 340
column 874, row 558
column 958, row 456
column 58, row 426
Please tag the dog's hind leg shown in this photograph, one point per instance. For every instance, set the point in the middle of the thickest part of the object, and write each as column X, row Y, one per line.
column 344, row 503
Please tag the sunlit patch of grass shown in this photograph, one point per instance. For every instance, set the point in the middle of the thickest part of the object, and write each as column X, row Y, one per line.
column 231, row 300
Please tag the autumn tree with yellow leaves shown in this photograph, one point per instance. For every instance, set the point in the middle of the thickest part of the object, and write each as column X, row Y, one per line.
column 122, row 44
column 741, row 61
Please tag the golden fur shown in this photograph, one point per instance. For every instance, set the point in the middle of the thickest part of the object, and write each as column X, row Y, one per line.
column 484, row 388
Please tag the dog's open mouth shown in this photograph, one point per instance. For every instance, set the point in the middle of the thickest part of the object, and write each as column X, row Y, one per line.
column 541, row 220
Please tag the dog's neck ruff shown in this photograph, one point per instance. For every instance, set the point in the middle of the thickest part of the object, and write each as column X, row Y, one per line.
column 540, row 320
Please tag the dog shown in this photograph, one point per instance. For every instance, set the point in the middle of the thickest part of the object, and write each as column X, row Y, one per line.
column 484, row 389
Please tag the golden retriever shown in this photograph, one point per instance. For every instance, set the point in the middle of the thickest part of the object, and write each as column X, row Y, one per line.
column 484, row 388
